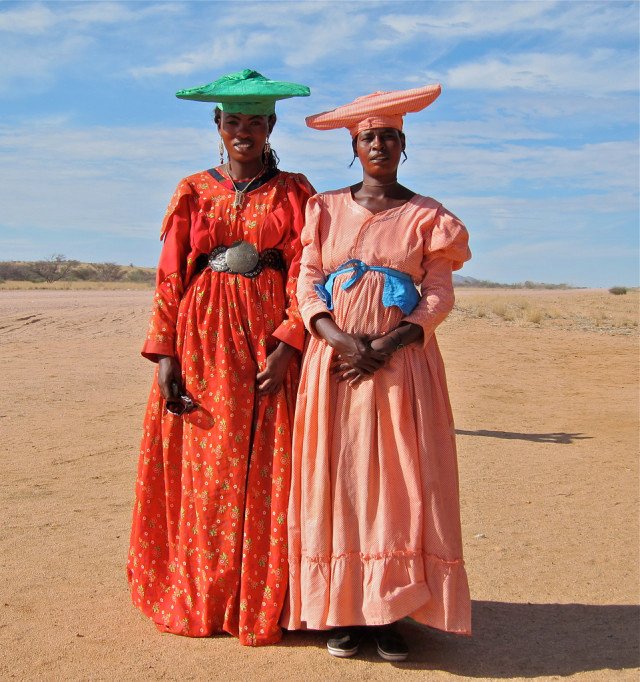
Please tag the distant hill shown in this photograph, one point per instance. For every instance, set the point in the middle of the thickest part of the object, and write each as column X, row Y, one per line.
column 59, row 268
column 462, row 281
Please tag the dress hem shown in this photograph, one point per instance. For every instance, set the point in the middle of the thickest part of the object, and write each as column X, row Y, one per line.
column 378, row 589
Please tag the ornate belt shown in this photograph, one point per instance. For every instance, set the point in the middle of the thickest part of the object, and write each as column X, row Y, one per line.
column 242, row 258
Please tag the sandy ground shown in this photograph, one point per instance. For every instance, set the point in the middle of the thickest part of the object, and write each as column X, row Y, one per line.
column 547, row 416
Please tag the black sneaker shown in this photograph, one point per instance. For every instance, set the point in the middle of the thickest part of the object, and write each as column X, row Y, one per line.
column 344, row 642
column 391, row 644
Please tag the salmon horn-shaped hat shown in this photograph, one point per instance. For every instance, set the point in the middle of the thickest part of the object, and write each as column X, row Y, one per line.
column 378, row 110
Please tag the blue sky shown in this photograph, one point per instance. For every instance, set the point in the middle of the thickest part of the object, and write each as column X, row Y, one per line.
column 533, row 143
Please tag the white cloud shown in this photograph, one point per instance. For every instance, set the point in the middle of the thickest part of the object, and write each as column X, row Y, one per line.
column 560, row 246
column 60, row 34
column 107, row 180
column 465, row 20
column 38, row 18
column 227, row 49
column 298, row 39
column 328, row 37
column 474, row 20
column 589, row 111
column 88, row 13
column 186, row 63
column 32, row 67
column 31, row 20
column 507, row 154
column 598, row 73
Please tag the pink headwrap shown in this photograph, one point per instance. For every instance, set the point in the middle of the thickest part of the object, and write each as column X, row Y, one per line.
column 378, row 110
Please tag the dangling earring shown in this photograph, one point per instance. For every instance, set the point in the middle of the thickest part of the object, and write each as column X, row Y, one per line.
column 266, row 153
column 221, row 150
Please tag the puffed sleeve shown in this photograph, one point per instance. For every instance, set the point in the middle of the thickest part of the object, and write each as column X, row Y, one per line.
column 291, row 329
column 311, row 270
column 445, row 250
column 175, row 232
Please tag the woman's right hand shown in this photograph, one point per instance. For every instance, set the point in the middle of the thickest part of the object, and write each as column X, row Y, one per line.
column 170, row 377
column 353, row 352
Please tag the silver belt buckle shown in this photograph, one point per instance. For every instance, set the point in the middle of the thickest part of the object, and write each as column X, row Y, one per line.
column 241, row 257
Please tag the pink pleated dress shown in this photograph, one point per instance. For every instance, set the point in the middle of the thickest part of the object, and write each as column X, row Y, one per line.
column 374, row 518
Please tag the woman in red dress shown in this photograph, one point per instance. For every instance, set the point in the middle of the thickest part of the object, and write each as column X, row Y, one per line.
column 208, row 548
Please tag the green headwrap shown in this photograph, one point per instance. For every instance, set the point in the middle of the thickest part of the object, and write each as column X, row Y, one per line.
column 245, row 92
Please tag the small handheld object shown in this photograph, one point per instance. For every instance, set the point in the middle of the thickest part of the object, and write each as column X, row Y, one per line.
column 179, row 403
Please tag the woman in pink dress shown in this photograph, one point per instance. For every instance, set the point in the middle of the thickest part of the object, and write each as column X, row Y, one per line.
column 374, row 520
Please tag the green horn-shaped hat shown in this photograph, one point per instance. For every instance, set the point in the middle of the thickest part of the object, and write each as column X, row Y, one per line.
column 245, row 92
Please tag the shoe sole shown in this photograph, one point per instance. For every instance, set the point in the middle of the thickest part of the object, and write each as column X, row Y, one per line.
column 394, row 658
column 342, row 653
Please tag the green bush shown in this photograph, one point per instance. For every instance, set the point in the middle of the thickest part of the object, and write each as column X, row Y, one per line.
column 618, row 291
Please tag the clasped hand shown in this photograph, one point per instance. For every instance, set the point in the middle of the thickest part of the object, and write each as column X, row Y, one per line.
column 357, row 357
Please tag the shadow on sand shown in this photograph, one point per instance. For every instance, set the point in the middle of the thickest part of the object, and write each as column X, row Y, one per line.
column 517, row 640
column 559, row 437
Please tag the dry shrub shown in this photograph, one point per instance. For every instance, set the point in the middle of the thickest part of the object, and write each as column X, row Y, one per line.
column 473, row 310
column 141, row 275
column 554, row 313
column 108, row 272
column 599, row 317
column 52, row 269
column 499, row 309
column 626, row 323
column 534, row 315
column 504, row 311
column 586, row 310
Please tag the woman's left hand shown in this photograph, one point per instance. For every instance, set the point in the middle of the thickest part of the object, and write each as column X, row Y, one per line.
column 270, row 380
column 345, row 371
column 383, row 346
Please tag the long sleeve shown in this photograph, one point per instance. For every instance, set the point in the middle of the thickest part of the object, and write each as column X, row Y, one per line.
column 170, row 275
column 311, row 270
column 291, row 329
column 446, row 249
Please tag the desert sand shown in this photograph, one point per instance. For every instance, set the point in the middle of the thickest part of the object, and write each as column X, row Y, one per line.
column 544, row 389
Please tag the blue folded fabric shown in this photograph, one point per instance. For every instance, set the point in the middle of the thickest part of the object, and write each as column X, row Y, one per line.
column 398, row 290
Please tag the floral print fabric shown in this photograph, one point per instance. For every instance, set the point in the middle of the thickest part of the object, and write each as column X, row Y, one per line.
column 208, row 548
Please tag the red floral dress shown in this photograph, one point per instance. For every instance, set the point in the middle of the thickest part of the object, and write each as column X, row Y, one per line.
column 208, row 546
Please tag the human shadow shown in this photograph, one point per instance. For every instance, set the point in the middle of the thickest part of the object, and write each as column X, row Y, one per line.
column 517, row 640
column 557, row 437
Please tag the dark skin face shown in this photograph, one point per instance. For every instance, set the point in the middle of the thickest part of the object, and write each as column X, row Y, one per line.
column 244, row 137
column 379, row 151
